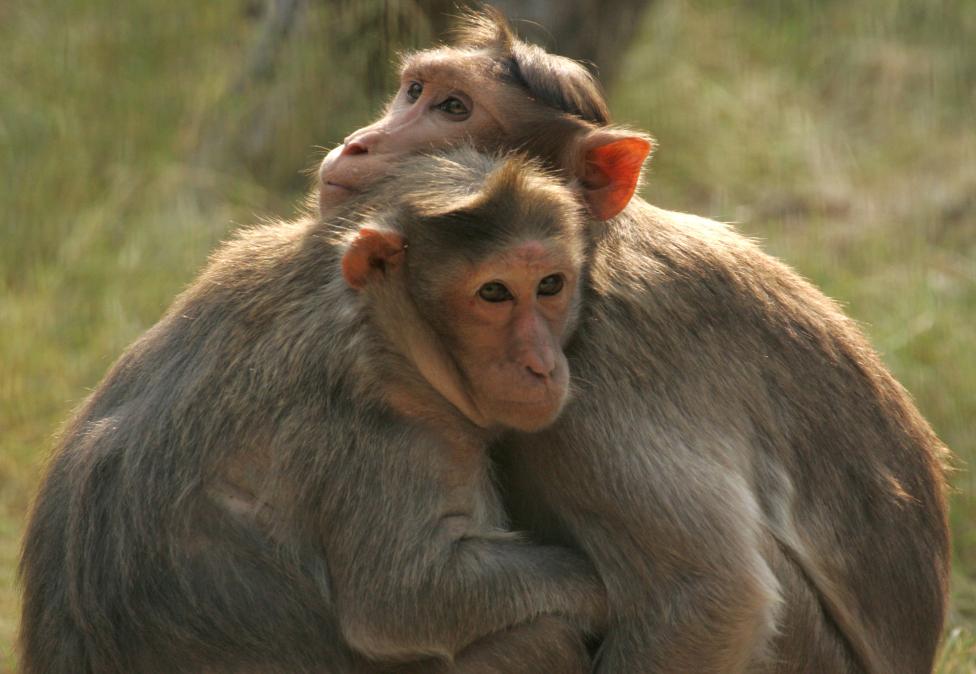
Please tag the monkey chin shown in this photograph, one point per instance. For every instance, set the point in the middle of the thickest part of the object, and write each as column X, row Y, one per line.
column 527, row 417
column 536, row 405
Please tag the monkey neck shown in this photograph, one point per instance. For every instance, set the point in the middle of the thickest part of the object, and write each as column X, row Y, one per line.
column 430, row 376
column 418, row 402
column 443, row 376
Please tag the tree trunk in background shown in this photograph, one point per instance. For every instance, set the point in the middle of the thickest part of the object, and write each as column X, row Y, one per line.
column 275, row 21
column 280, row 17
column 440, row 14
column 597, row 32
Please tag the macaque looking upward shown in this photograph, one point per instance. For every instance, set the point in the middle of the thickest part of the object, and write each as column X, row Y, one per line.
column 477, row 94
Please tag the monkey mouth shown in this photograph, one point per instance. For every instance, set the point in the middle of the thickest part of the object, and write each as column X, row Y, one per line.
column 541, row 400
column 333, row 193
column 339, row 187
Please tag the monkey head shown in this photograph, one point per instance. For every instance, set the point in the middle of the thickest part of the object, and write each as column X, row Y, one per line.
column 495, row 92
column 475, row 283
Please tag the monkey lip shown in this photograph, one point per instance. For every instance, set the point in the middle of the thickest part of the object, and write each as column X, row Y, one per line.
column 328, row 184
column 543, row 399
column 332, row 194
column 537, row 393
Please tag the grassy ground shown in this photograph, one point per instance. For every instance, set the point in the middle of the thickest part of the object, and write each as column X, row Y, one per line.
column 132, row 139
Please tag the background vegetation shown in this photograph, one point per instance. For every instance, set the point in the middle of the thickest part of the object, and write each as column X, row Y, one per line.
column 135, row 135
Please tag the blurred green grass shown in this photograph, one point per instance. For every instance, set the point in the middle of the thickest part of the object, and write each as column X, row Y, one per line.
column 132, row 140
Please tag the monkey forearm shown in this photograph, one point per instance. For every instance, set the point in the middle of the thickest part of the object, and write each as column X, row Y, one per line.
column 547, row 644
column 535, row 579
column 480, row 586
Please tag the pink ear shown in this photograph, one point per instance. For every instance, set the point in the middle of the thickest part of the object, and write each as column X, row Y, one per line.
column 611, row 173
column 372, row 250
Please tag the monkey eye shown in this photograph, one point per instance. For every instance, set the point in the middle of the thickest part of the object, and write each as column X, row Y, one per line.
column 493, row 291
column 551, row 285
column 455, row 107
column 414, row 91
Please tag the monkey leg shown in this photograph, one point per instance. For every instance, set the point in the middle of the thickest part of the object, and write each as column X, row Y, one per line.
column 807, row 641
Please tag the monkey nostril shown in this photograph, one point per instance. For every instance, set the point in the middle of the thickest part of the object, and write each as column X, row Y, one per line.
column 354, row 148
column 538, row 372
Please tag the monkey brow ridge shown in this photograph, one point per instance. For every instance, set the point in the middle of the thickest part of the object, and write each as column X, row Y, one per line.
column 465, row 67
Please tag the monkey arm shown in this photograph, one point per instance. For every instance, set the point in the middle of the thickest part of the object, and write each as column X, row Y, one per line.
column 442, row 594
column 420, row 569
column 687, row 581
column 546, row 644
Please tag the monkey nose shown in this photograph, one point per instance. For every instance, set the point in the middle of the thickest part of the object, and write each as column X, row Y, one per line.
column 353, row 148
column 539, row 366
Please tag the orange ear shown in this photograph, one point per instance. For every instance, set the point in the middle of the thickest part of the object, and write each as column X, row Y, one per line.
column 611, row 170
column 372, row 251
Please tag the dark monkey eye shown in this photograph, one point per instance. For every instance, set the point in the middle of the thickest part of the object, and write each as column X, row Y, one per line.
column 494, row 292
column 414, row 91
column 454, row 107
column 551, row 285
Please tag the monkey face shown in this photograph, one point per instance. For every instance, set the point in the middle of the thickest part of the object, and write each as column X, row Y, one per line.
column 477, row 287
column 509, row 317
column 443, row 99
column 451, row 97
column 486, row 335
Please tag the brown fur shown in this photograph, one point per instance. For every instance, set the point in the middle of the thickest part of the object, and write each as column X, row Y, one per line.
column 757, row 492
column 754, row 488
column 242, row 492
column 552, row 80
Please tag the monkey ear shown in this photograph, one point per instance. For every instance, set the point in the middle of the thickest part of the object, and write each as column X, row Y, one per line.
column 372, row 251
column 612, row 162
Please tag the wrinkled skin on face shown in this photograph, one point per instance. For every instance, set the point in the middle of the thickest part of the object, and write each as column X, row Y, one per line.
column 498, row 325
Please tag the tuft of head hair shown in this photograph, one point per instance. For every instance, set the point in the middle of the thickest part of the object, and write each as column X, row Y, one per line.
column 486, row 28
column 481, row 203
column 553, row 80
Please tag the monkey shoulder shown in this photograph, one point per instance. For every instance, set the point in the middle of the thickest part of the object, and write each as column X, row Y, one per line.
column 257, row 339
column 684, row 304
column 669, row 270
